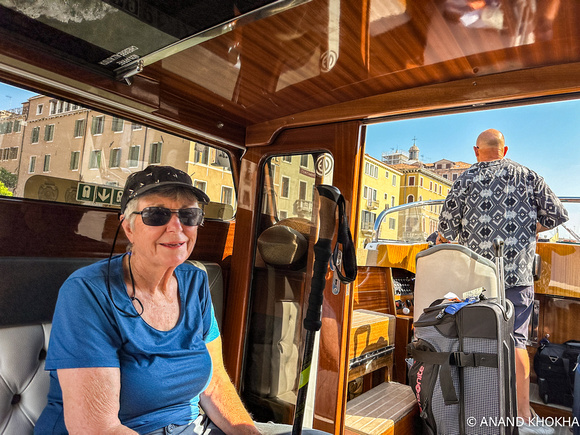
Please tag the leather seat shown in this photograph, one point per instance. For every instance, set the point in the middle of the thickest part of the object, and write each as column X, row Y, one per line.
column 23, row 381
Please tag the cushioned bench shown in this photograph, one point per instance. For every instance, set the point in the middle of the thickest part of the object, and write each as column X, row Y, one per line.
column 388, row 408
column 28, row 292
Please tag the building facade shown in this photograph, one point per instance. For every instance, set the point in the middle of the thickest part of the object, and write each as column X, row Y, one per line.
column 12, row 123
column 54, row 147
column 293, row 178
column 420, row 184
column 448, row 169
column 380, row 190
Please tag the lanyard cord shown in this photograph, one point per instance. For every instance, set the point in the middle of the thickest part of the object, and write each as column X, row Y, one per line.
column 134, row 298
column 108, row 280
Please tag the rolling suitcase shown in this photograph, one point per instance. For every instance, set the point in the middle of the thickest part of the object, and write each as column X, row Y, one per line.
column 463, row 369
column 463, row 267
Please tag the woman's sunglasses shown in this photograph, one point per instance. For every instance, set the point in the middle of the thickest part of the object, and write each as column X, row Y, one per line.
column 158, row 216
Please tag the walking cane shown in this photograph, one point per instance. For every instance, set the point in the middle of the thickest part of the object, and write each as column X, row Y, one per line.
column 328, row 200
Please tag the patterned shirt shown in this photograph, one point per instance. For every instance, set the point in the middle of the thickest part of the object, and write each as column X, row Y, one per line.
column 503, row 199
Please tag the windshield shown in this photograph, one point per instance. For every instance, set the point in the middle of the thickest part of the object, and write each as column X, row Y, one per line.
column 417, row 160
column 417, row 223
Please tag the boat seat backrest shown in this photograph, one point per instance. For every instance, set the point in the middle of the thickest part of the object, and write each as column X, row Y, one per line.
column 216, row 286
column 450, row 268
column 28, row 292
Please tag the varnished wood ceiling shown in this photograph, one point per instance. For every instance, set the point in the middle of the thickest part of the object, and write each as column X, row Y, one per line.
column 326, row 56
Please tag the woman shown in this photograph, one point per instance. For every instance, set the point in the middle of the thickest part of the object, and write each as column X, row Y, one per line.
column 135, row 346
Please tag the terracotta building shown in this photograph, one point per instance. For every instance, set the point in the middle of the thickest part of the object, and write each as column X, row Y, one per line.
column 56, row 148
column 447, row 169
column 12, row 123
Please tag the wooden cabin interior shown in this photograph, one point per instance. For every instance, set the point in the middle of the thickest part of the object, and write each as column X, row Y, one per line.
column 264, row 79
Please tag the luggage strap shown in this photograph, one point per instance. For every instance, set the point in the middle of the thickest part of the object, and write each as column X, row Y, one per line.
column 446, row 360
column 346, row 256
column 475, row 359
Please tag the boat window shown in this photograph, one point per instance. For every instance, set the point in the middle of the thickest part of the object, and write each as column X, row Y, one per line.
column 84, row 156
column 438, row 149
column 289, row 184
column 279, row 285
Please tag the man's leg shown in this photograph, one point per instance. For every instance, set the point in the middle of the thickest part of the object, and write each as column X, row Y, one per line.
column 523, row 300
column 523, row 383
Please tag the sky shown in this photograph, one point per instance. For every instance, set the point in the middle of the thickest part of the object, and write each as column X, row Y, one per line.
column 12, row 97
column 544, row 137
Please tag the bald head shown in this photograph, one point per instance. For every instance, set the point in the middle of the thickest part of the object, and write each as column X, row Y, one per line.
column 490, row 145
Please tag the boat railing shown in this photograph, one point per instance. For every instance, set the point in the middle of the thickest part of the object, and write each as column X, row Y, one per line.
column 383, row 214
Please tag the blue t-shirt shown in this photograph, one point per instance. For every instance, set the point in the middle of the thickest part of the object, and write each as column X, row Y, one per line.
column 162, row 372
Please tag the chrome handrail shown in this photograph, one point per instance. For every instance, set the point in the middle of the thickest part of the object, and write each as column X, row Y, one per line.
column 384, row 213
column 398, row 208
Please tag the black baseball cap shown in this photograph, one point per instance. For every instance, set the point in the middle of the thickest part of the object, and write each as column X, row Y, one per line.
column 154, row 177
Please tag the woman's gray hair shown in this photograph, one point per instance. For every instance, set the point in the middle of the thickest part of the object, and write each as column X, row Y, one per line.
column 129, row 210
column 171, row 192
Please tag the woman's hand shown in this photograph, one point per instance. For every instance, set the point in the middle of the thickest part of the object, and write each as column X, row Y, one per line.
column 440, row 239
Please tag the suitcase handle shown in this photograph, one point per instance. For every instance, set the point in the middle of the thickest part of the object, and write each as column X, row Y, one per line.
column 498, row 245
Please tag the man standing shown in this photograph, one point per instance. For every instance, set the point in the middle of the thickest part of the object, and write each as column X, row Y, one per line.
column 497, row 197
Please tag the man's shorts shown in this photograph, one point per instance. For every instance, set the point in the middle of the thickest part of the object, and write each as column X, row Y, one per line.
column 523, row 299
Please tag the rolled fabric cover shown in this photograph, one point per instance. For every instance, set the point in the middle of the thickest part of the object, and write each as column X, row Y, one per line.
column 286, row 243
column 303, row 226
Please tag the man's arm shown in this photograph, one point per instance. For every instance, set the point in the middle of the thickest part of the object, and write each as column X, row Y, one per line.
column 450, row 216
column 220, row 400
column 551, row 211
